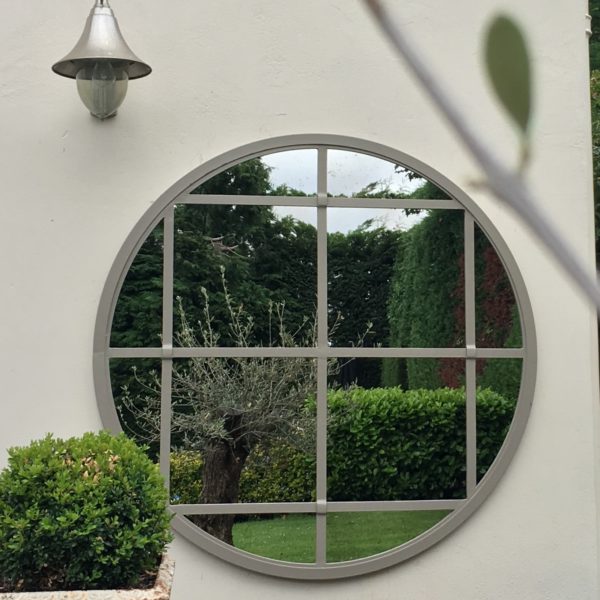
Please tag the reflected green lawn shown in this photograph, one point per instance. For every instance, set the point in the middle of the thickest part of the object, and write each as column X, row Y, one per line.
column 356, row 535
column 284, row 537
column 349, row 535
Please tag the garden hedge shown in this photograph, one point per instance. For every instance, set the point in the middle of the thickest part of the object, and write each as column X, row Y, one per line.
column 426, row 307
column 384, row 444
column 389, row 444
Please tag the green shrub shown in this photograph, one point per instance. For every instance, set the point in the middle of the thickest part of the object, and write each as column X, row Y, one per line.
column 383, row 444
column 279, row 473
column 426, row 307
column 504, row 375
column 389, row 444
column 424, row 299
column 82, row 513
column 186, row 477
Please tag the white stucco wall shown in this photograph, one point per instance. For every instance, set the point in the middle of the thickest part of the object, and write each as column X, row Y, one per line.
column 231, row 72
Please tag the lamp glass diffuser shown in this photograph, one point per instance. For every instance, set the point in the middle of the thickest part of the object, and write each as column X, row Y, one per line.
column 102, row 88
column 102, row 63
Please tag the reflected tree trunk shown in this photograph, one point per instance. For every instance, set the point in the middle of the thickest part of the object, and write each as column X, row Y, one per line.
column 223, row 462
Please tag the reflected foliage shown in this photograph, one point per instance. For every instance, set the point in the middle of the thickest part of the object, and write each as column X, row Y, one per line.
column 360, row 266
column 384, row 444
column 138, row 315
column 594, row 8
column 424, row 308
column 427, row 308
column 595, row 97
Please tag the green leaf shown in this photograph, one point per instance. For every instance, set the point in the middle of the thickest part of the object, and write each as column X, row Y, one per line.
column 509, row 68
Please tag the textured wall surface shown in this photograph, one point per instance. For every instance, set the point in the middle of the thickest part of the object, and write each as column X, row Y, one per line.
column 231, row 72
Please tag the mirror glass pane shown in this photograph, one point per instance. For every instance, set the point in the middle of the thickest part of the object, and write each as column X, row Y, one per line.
column 393, row 288
column 243, row 430
column 244, row 276
column 398, row 443
column 498, row 383
column 137, row 321
column 290, row 173
column 136, row 386
column 357, row 535
column 281, row 537
column 354, row 174
column 497, row 315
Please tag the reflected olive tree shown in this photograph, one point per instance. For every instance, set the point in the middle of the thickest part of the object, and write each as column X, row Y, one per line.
column 225, row 407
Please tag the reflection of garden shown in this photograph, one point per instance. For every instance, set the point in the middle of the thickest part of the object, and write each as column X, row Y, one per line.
column 244, row 277
column 349, row 535
column 383, row 444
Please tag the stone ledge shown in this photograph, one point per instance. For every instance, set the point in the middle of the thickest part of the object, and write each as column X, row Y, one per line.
column 160, row 591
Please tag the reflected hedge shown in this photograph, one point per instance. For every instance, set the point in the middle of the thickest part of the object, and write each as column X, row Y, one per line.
column 383, row 444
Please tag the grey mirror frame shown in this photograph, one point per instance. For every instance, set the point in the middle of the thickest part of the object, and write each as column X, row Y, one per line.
column 483, row 489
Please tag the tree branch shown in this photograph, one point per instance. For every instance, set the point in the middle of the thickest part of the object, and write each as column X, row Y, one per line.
column 508, row 187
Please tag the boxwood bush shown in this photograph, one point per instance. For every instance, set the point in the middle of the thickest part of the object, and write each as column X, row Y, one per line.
column 82, row 513
column 383, row 444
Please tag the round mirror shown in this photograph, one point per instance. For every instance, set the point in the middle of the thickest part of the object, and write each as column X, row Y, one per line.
column 328, row 349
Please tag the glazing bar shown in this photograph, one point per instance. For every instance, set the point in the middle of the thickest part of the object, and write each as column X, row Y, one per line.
column 322, row 344
column 471, row 362
column 167, row 341
column 231, row 199
column 250, row 508
column 394, row 203
column 393, row 505
column 246, row 508
column 312, row 201
column 333, row 352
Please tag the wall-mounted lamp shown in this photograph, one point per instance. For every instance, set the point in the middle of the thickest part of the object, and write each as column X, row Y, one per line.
column 102, row 63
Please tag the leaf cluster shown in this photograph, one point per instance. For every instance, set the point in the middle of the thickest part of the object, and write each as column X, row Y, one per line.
column 81, row 513
column 389, row 444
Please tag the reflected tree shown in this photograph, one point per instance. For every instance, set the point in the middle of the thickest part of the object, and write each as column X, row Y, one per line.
column 224, row 408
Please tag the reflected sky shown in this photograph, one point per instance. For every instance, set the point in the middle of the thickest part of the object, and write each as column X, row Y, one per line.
column 344, row 220
column 347, row 174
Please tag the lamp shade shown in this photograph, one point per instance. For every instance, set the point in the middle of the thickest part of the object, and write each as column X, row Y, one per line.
column 101, row 41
